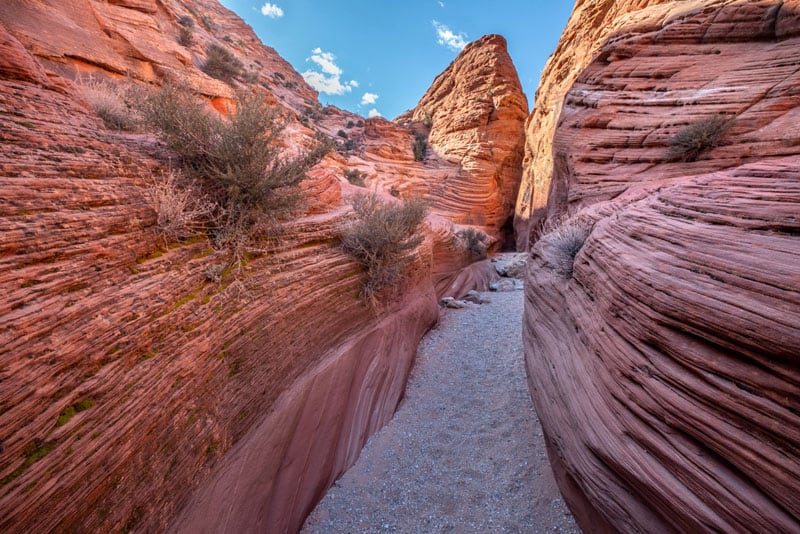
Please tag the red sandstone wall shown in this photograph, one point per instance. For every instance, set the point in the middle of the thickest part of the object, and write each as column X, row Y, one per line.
column 665, row 369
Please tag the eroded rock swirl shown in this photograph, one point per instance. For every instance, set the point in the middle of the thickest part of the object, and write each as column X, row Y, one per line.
column 665, row 369
column 133, row 384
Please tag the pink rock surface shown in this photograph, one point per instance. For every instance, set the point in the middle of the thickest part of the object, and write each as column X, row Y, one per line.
column 665, row 369
column 177, row 381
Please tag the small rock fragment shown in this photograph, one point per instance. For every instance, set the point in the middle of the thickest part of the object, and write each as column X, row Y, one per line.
column 502, row 285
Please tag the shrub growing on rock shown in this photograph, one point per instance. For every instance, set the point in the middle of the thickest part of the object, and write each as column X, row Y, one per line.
column 180, row 209
column 185, row 36
column 221, row 63
column 238, row 159
column 382, row 238
column 420, row 146
column 474, row 241
column 355, row 177
column 108, row 100
column 562, row 241
column 698, row 137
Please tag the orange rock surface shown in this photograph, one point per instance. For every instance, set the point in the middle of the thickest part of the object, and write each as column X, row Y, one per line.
column 137, row 394
column 476, row 111
column 665, row 370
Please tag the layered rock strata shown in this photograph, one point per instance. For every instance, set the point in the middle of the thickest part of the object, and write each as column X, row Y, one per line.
column 136, row 388
column 665, row 369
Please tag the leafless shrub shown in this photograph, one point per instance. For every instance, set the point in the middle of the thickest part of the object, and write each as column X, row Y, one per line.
column 382, row 239
column 181, row 210
column 562, row 239
column 108, row 100
column 213, row 272
column 473, row 241
column 698, row 137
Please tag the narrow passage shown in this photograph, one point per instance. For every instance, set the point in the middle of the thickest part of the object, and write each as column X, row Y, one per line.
column 465, row 451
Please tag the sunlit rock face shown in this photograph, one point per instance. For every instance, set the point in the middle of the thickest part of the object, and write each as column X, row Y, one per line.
column 138, row 391
column 476, row 111
column 665, row 368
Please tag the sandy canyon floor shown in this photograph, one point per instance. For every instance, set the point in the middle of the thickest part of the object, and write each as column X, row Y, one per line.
column 465, row 451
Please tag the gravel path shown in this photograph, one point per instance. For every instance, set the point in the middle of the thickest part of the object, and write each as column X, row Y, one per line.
column 465, row 452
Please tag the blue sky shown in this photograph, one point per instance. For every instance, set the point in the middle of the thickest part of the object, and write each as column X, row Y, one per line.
column 380, row 56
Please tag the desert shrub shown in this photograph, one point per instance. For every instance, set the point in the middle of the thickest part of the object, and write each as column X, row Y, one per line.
column 185, row 36
column 563, row 239
column 237, row 159
column 474, row 241
column 420, row 146
column 427, row 120
column 207, row 21
column 181, row 210
column 108, row 100
column 355, row 177
column 251, row 77
column 698, row 137
column 382, row 238
column 342, row 133
column 186, row 21
column 350, row 124
column 221, row 63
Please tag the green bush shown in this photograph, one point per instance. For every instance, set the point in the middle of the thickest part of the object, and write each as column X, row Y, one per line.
column 473, row 241
column 221, row 63
column 698, row 137
column 237, row 159
column 382, row 238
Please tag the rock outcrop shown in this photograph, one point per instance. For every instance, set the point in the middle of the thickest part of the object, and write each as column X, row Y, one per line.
column 138, row 391
column 475, row 111
column 664, row 369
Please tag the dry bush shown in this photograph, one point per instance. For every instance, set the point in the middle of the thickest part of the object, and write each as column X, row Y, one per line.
column 221, row 63
column 382, row 238
column 355, row 177
column 563, row 239
column 186, row 36
column 181, row 210
column 698, row 137
column 238, row 159
column 420, row 146
column 108, row 100
column 474, row 241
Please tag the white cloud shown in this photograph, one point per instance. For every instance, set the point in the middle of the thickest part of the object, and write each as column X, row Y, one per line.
column 328, row 78
column 374, row 113
column 271, row 10
column 441, row 4
column 369, row 98
column 448, row 38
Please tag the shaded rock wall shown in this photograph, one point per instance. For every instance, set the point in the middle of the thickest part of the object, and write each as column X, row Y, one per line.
column 132, row 385
column 665, row 369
